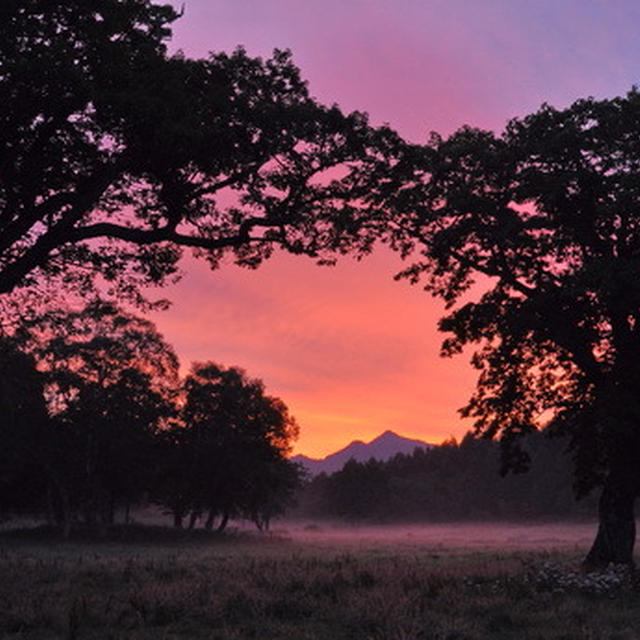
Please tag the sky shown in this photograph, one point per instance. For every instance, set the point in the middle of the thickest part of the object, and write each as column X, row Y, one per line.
column 350, row 351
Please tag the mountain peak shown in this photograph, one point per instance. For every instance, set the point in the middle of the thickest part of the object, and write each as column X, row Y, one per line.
column 387, row 435
column 383, row 447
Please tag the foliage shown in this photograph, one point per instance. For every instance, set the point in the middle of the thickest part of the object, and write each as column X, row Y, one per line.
column 227, row 454
column 23, row 430
column 451, row 482
column 108, row 379
column 534, row 235
column 103, row 422
column 116, row 155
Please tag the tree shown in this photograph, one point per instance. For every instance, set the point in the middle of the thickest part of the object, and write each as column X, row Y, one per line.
column 269, row 485
column 109, row 384
column 231, row 448
column 544, row 219
column 359, row 490
column 172, row 486
column 23, row 432
column 114, row 155
column 450, row 482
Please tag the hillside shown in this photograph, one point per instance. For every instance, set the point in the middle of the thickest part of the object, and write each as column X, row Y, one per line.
column 382, row 448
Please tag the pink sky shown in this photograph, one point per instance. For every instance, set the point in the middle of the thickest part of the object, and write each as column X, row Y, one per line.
column 349, row 350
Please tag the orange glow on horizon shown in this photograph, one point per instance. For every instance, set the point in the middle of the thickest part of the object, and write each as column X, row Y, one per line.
column 351, row 352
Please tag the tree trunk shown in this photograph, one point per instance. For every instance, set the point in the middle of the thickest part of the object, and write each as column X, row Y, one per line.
column 52, row 515
column 65, row 510
column 62, row 506
column 617, row 527
column 111, row 510
column 208, row 525
column 55, row 511
column 257, row 520
column 177, row 520
column 193, row 518
column 223, row 522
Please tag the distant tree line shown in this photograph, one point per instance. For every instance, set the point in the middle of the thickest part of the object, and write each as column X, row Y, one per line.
column 454, row 481
column 95, row 420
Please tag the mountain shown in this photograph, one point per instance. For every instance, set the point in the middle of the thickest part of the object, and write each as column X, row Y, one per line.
column 383, row 447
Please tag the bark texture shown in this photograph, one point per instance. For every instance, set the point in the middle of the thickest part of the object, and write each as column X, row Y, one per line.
column 617, row 527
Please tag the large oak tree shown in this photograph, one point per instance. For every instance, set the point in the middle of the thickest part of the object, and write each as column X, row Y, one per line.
column 545, row 220
column 115, row 155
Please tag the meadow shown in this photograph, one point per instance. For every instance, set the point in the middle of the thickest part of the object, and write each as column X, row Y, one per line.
column 442, row 582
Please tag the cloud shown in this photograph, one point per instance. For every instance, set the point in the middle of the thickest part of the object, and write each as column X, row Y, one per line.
column 343, row 346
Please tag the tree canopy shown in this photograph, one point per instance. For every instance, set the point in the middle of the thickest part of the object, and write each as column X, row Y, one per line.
column 226, row 454
column 451, row 482
column 109, row 380
column 96, row 420
column 22, row 430
column 115, row 155
column 544, row 221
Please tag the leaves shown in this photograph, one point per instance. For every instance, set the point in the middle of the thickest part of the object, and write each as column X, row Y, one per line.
column 228, row 453
column 115, row 155
column 545, row 219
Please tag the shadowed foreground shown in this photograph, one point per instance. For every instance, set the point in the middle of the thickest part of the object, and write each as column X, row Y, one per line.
column 316, row 587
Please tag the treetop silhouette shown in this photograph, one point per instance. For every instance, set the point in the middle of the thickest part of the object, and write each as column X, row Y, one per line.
column 116, row 155
column 546, row 218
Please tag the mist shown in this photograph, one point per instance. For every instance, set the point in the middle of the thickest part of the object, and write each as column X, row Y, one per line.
column 494, row 536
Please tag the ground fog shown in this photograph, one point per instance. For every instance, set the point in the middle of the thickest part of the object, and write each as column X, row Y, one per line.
column 314, row 581
column 472, row 536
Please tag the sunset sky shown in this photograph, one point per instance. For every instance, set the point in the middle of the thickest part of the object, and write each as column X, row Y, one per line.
column 349, row 350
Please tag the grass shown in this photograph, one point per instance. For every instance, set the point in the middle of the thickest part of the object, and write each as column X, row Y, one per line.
column 145, row 583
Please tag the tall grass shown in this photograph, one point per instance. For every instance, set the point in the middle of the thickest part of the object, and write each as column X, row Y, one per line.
column 152, row 584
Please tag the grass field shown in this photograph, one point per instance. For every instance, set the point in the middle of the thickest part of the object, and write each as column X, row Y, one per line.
column 446, row 583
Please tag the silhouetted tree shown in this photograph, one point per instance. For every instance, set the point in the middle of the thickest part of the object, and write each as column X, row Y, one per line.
column 451, row 482
column 232, row 444
column 172, row 485
column 270, row 485
column 359, row 490
column 114, row 155
column 24, row 432
column 545, row 218
column 109, row 382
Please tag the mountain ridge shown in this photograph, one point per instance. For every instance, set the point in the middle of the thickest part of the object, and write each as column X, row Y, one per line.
column 382, row 447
